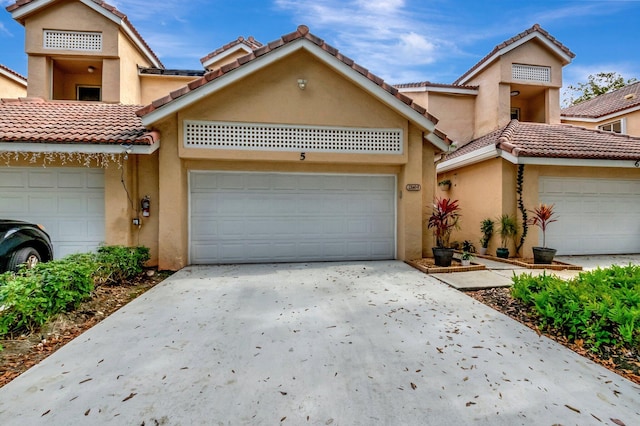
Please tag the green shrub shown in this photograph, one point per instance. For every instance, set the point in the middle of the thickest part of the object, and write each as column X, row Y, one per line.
column 30, row 297
column 601, row 307
column 119, row 263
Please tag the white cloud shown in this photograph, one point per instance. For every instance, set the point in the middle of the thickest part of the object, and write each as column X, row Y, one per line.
column 382, row 35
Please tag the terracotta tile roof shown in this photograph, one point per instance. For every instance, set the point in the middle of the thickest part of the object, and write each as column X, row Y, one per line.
column 302, row 32
column 536, row 28
column 609, row 103
column 430, row 84
column 35, row 120
column 250, row 42
column 12, row 72
column 556, row 141
column 176, row 72
column 19, row 3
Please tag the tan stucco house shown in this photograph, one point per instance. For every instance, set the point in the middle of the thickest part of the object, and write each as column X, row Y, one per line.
column 617, row 111
column 283, row 151
column 514, row 151
column 12, row 84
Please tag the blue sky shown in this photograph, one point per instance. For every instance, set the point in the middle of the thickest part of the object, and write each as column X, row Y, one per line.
column 400, row 40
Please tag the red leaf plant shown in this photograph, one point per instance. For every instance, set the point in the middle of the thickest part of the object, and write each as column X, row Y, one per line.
column 542, row 217
column 444, row 219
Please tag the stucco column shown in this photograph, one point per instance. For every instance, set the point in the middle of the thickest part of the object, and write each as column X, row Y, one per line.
column 410, row 203
column 173, row 201
column 117, row 210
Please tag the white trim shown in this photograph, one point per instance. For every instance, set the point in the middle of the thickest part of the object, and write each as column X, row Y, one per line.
column 571, row 162
column 76, row 148
column 13, row 77
column 473, row 157
column 238, row 74
column 453, row 91
column 600, row 119
column 512, row 46
column 196, row 171
column 220, row 56
column 35, row 5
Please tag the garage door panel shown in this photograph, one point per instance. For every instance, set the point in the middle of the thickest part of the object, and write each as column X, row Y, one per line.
column 595, row 216
column 296, row 217
column 68, row 202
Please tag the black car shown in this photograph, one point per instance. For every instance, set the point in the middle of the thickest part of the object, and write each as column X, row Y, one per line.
column 23, row 243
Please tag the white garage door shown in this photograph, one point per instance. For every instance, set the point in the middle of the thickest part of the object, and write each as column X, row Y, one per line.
column 595, row 216
column 271, row 217
column 69, row 202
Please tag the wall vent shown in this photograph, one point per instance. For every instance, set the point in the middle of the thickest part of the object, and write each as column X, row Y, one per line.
column 531, row 73
column 261, row 137
column 73, row 40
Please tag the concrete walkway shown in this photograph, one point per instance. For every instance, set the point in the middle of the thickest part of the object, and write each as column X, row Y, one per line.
column 372, row 343
column 500, row 274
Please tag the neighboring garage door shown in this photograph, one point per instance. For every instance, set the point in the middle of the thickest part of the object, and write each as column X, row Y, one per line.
column 69, row 202
column 272, row 217
column 595, row 216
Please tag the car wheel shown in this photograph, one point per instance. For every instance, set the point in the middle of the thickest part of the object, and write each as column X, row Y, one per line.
column 25, row 255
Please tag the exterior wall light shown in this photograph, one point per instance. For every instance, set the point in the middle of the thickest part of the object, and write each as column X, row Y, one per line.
column 515, row 93
column 91, row 69
column 302, row 83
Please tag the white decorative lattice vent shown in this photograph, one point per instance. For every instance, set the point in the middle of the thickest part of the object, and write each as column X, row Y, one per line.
column 531, row 73
column 73, row 40
column 246, row 136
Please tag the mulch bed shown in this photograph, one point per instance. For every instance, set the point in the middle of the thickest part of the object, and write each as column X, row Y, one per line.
column 428, row 266
column 623, row 362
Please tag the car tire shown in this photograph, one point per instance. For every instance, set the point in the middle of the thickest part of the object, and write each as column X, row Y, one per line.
column 25, row 255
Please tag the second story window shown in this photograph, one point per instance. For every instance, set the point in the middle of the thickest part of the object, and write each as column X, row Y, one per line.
column 88, row 93
column 614, row 126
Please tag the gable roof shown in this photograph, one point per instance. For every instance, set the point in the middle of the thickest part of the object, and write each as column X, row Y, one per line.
column 35, row 121
column 547, row 144
column 535, row 32
column 618, row 101
column 11, row 74
column 273, row 51
column 22, row 8
column 240, row 44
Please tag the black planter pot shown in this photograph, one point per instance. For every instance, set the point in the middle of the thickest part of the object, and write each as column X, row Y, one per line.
column 502, row 252
column 442, row 256
column 543, row 255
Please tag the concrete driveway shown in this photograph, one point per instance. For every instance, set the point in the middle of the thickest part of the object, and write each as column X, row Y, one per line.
column 343, row 344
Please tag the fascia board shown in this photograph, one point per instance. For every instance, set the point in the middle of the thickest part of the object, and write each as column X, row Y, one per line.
column 274, row 56
column 13, row 77
column 512, row 46
column 453, row 91
column 77, row 148
column 477, row 156
column 30, row 8
column 571, row 162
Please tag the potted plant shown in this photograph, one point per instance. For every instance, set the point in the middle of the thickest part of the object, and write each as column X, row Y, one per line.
column 465, row 258
column 508, row 228
column 542, row 217
column 445, row 184
column 443, row 220
column 486, row 227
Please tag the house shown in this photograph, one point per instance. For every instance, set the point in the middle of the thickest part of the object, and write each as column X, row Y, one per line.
column 617, row 111
column 515, row 151
column 12, row 84
column 287, row 151
column 291, row 151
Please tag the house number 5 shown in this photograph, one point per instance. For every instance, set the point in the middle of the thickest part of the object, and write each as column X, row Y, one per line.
column 303, row 156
